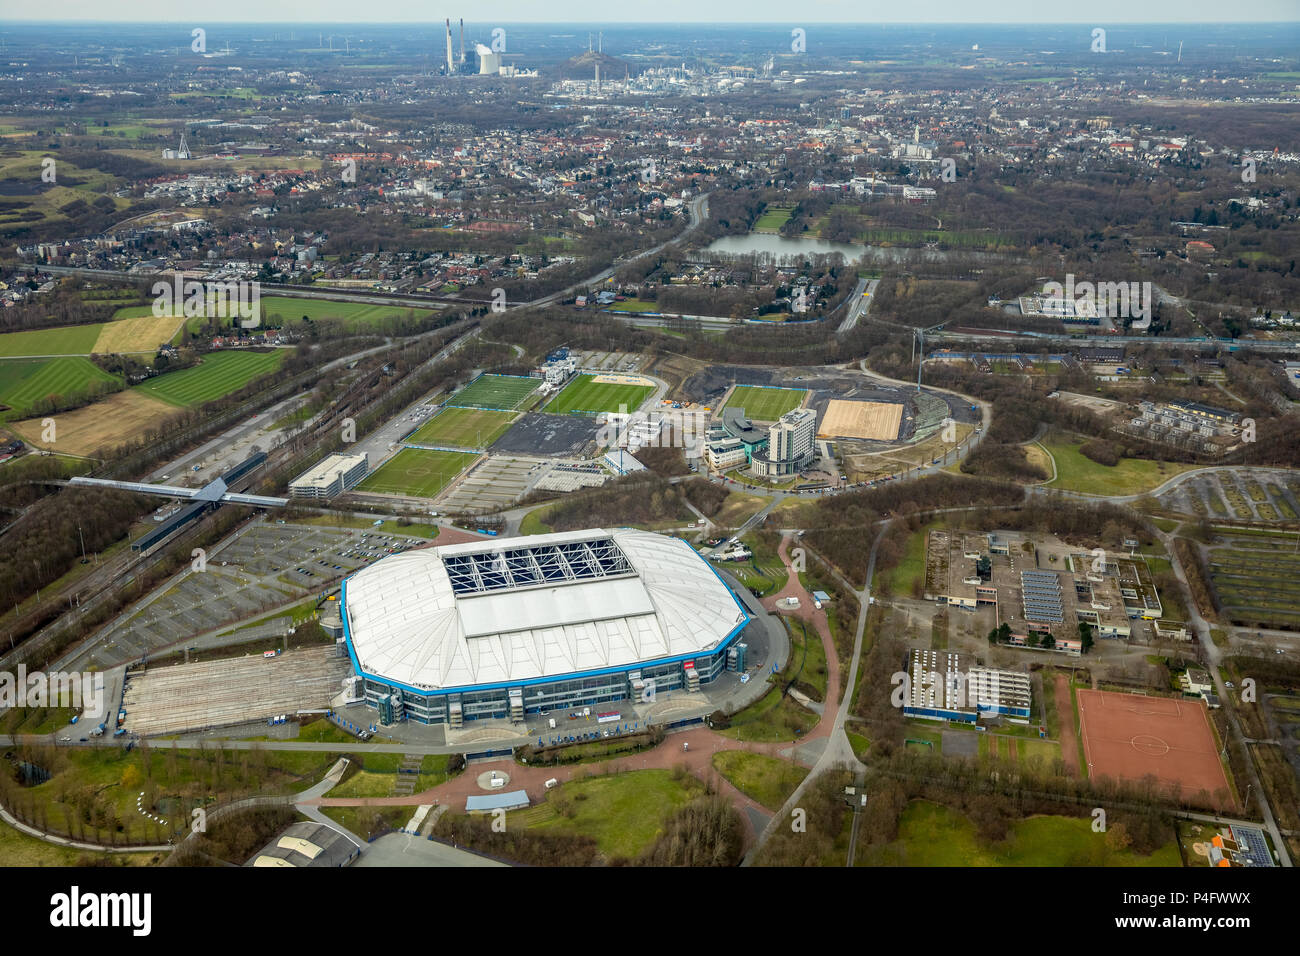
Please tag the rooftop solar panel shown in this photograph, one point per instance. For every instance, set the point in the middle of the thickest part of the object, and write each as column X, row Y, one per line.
column 499, row 570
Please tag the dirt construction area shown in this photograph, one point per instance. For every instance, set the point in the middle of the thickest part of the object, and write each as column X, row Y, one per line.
column 1129, row 736
column 169, row 700
column 874, row 420
column 117, row 419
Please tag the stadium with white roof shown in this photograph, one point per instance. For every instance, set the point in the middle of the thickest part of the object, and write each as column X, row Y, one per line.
column 497, row 629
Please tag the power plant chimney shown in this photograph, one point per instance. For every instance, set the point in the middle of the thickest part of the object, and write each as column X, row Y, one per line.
column 450, row 67
column 462, row 42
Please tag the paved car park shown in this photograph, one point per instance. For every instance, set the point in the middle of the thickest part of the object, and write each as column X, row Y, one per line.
column 168, row 700
column 266, row 566
column 558, row 435
column 496, row 482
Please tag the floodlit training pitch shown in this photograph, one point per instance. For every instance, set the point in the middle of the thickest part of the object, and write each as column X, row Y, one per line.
column 496, row 391
column 463, row 428
column 765, row 404
column 1128, row 736
column 845, row 419
column 586, row 394
column 417, row 472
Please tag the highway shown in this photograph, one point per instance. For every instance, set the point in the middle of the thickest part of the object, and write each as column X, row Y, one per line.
column 863, row 296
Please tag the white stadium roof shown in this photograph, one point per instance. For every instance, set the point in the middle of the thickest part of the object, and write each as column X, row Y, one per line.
column 535, row 608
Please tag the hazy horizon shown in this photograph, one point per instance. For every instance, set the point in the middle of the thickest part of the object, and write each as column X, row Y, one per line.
column 717, row 12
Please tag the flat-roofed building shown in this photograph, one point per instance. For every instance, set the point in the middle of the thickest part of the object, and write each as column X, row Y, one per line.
column 334, row 475
column 942, row 687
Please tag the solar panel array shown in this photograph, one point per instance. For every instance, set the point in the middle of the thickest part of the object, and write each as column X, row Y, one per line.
column 1041, row 594
column 1254, row 848
column 501, row 570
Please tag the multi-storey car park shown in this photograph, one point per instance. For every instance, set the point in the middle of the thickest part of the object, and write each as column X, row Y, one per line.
column 522, row 625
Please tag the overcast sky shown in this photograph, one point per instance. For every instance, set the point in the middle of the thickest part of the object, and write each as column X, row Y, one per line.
column 1095, row 12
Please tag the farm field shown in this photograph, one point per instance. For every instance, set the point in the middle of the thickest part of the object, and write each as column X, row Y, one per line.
column 142, row 332
column 1132, row 476
column 220, row 373
column 463, row 428
column 587, row 396
column 279, row 309
column 23, row 382
column 64, row 340
column 503, row 392
column 765, row 404
column 417, row 472
column 119, row 418
column 139, row 334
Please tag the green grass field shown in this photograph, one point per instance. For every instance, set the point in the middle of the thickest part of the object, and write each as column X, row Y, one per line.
column 417, row 472
column 767, row 780
column 280, row 309
column 622, row 813
column 1132, row 476
column 765, row 404
column 64, row 340
column 496, row 391
column 634, row 305
column 220, row 373
column 588, row 396
column 463, row 428
column 934, row 835
column 24, row 382
column 773, row 218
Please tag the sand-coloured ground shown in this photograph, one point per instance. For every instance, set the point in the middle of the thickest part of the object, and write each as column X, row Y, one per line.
column 873, row 420
column 117, row 419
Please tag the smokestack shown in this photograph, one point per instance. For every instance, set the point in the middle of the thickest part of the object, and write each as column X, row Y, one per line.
column 462, row 41
column 597, row 76
column 450, row 67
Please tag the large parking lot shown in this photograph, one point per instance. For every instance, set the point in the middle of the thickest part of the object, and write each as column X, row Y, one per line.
column 496, row 482
column 267, row 566
column 541, row 434
column 167, row 700
column 609, row 361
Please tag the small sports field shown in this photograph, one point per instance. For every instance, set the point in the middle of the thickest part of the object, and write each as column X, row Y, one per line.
column 463, row 427
column 765, row 404
column 417, row 472
column 507, row 392
column 585, row 395
column 219, row 374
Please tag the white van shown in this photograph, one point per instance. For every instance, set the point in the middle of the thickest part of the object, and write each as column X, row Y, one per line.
column 552, row 784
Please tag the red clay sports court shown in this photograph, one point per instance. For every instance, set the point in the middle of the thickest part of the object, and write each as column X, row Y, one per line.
column 1127, row 736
